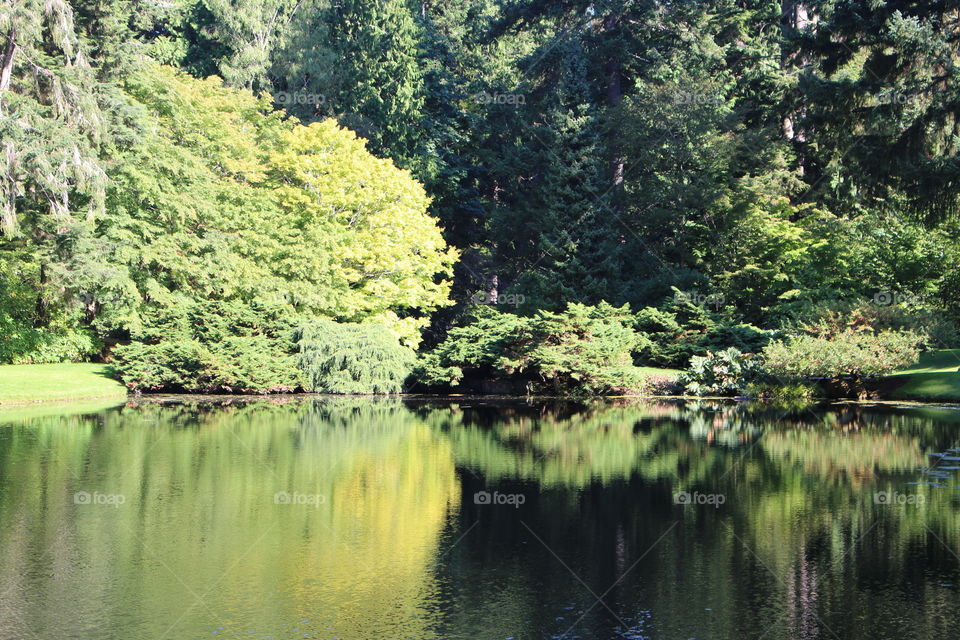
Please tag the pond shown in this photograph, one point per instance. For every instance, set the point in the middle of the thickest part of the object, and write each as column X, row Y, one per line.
column 479, row 518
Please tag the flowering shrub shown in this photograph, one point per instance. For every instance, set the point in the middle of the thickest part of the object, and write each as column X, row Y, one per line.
column 850, row 354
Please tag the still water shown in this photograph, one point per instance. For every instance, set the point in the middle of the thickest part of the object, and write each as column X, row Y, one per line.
column 376, row 519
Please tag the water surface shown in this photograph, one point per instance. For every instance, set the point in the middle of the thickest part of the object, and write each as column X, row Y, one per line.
column 466, row 518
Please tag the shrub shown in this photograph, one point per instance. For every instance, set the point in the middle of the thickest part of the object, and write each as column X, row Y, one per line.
column 582, row 349
column 681, row 330
column 240, row 364
column 211, row 347
column 788, row 392
column 351, row 358
column 725, row 372
column 850, row 353
column 67, row 345
column 833, row 317
column 23, row 344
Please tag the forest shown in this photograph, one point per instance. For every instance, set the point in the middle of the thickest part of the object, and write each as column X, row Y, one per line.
column 530, row 196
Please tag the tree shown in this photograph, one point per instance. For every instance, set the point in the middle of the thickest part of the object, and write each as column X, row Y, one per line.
column 882, row 102
column 379, row 252
column 377, row 85
column 50, row 120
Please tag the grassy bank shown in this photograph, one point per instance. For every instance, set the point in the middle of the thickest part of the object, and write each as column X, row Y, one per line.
column 654, row 371
column 935, row 378
column 33, row 383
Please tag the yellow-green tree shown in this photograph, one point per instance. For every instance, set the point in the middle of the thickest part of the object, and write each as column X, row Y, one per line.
column 230, row 225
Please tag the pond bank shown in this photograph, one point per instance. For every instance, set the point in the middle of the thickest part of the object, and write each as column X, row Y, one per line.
column 28, row 384
column 935, row 379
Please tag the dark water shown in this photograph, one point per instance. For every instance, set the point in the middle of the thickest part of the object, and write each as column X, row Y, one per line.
column 357, row 518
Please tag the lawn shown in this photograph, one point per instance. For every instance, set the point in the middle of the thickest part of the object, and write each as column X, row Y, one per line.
column 653, row 371
column 936, row 377
column 22, row 384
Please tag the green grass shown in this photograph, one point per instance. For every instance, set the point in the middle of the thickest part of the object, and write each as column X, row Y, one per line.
column 936, row 377
column 23, row 384
column 653, row 371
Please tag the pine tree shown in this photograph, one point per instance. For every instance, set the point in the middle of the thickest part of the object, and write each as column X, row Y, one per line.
column 882, row 105
column 377, row 84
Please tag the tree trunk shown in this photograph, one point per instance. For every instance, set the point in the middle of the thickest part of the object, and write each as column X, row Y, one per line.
column 6, row 61
column 614, row 96
column 41, row 311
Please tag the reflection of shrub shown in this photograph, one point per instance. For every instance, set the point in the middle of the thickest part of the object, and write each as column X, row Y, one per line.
column 725, row 372
column 852, row 354
column 351, row 358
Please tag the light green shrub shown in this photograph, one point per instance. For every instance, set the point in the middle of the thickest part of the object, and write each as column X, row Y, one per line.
column 351, row 358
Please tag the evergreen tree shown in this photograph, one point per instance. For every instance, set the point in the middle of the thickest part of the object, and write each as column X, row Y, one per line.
column 882, row 104
column 377, row 84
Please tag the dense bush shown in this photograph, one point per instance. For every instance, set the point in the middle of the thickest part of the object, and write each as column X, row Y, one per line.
column 351, row 358
column 680, row 330
column 63, row 345
column 850, row 353
column 37, row 325
column 23, row 344
column 241, row 364
column 886, row 310
column 582, row 349
column 723, row 373
column 789, row 392
column 211, row 348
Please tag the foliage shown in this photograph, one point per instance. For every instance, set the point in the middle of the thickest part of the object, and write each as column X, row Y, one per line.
column 884, row 312
column 726, row 372
column 644, row 154
column 356, row 225
column 27, row 345
column 51, row 122
column 780, row 392
column 681, row 329
column 883, row 105
column 211, row 348
column 216, row 203
column 351, row 358
column 849, row 353
column 581, row 349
